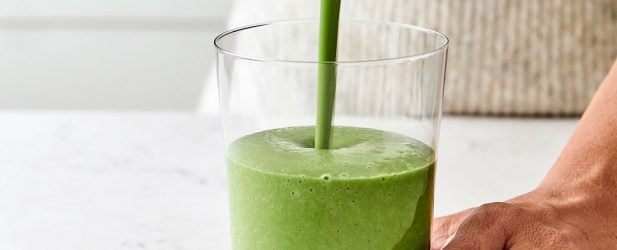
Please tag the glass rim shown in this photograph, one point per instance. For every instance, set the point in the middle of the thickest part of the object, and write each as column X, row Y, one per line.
column 412, row 57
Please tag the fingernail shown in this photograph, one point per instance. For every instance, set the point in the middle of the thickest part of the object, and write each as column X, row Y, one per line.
column 448, row 240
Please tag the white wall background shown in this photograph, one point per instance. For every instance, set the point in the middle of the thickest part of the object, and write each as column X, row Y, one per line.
column 113, row 54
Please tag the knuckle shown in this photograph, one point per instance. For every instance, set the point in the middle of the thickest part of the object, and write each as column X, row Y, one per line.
column 500, row 210
column 494, row 206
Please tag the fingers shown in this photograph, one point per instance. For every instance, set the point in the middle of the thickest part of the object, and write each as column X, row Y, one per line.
column 487, row 227
column 512, row 226
column 445, row 227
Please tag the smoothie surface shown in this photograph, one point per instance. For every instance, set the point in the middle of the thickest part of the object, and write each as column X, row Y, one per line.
column 354, row 153
column 371, row 190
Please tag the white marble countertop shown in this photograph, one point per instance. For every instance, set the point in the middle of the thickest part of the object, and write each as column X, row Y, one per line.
column 74, row 181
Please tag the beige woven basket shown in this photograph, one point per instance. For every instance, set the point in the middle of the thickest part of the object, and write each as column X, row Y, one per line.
column 507, row 57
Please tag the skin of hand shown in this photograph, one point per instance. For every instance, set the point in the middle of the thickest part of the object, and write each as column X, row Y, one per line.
column 574, row 207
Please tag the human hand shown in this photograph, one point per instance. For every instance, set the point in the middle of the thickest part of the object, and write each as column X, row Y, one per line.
column 542, row 219
column 575, row 206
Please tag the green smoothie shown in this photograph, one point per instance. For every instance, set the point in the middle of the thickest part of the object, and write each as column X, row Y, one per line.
column 371, row 189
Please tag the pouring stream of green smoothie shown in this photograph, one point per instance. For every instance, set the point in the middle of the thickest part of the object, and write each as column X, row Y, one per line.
column 326, row 80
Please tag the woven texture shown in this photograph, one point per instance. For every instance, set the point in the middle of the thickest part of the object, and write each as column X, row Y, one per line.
column 507, row 57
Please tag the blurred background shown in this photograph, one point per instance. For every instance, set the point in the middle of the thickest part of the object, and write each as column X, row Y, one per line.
column 507, row 58
column 112, row 55
column 512, row 58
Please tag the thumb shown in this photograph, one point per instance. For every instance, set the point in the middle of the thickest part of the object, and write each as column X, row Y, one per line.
column 445, row 227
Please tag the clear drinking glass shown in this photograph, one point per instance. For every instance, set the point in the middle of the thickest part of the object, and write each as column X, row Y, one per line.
column 373, row 189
